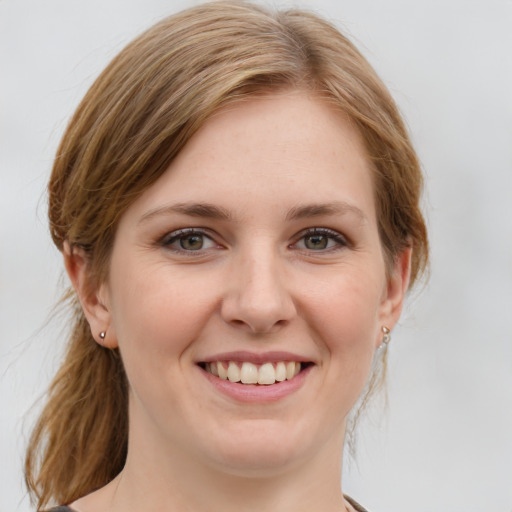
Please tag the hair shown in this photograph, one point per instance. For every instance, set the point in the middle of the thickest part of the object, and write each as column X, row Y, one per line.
column 132, row 122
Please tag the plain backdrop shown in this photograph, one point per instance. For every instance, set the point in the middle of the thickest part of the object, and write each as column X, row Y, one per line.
column 444, row 442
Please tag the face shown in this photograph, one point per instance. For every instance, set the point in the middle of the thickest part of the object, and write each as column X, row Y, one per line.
column 256, row 256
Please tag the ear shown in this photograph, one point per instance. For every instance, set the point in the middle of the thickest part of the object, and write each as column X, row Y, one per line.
column 94, row 301
column 395, row 291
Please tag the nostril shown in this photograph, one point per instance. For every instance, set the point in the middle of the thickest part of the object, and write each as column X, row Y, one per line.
column 261, row 326
column 259, row 305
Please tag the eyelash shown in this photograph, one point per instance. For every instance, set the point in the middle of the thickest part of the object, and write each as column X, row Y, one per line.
column 329, row 234
column 182, row 234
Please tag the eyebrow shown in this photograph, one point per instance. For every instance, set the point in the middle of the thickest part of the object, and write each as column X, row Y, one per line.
column 210, row 211
column 203, row 210
column 318, row 210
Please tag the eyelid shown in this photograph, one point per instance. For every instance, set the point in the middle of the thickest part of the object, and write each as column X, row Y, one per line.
column 332, row 234
column 169, row 238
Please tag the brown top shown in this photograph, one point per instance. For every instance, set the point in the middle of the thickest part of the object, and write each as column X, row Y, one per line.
column 357, row 507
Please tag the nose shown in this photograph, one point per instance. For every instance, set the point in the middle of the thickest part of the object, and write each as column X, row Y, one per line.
column 257, row 296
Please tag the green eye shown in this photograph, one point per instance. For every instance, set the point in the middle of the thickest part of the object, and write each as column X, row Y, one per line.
column 321, row 239
column 192, row 242
column 188, row 240
column 316, row 242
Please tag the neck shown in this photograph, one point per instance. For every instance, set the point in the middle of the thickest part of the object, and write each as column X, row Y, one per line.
column 164, row 475
column 181, row 483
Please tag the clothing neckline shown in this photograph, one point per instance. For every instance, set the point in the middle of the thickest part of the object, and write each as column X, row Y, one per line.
column 357, row 507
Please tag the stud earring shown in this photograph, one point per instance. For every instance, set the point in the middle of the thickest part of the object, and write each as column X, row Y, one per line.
column 102, row 335
column 386, row 338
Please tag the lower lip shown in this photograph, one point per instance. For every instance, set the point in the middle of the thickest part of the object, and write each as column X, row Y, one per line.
column 257, row 392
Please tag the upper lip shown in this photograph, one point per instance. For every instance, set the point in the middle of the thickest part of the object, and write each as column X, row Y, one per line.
column 256, row 358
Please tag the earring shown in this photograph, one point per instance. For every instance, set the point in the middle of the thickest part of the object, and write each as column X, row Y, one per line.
column 386, row 338
column 102, row 335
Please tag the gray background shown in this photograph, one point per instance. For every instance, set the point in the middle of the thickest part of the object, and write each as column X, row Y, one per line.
column 444, row 442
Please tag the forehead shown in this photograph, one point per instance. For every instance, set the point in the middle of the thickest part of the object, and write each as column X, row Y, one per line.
column 285, row 149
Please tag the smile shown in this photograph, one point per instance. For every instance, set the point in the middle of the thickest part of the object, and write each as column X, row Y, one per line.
column 250, row 373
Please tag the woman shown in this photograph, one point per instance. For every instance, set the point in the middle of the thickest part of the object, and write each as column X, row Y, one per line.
column 236, row 201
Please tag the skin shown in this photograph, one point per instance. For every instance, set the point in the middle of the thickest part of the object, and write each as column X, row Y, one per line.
column 263, row 281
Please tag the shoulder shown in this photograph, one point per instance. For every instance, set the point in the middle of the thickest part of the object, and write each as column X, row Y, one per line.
column 355, row 505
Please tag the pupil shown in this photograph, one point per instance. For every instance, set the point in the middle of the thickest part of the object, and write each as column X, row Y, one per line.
column 192, row 242
column 316, row 242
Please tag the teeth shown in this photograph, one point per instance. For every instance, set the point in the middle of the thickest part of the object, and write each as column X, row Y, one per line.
column 222, row 371
column 249, row 373
column 290, row 370
column 233, row 372
column 280, row 371
column 213, row 369
column 267, row 374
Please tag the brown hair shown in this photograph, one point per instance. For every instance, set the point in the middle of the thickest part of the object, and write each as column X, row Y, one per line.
column 133, row 121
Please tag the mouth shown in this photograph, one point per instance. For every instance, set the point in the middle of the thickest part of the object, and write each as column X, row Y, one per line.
column 245, row 372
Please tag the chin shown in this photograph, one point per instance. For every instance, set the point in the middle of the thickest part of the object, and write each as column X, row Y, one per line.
column 257, row 463
column 260, row 450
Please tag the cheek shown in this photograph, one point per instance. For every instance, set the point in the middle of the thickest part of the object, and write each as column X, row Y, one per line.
column 347, row 313
column 156, row 316
column 156, row 307
column 350, row 302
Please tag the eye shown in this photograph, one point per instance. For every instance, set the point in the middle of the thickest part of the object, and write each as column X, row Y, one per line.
column 188, row 240
column 320, row 239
